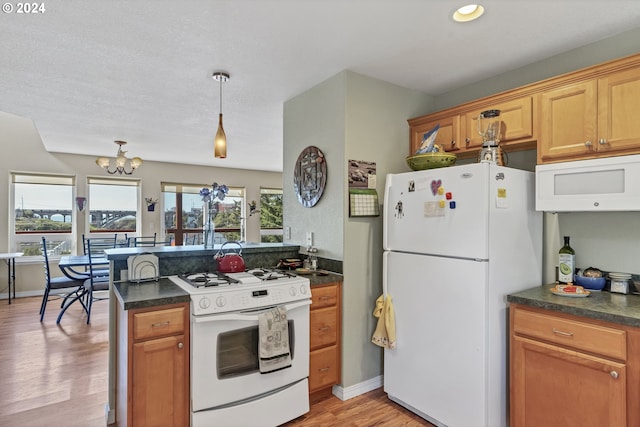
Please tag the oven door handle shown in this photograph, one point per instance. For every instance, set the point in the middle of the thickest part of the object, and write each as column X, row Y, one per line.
column 247, row 315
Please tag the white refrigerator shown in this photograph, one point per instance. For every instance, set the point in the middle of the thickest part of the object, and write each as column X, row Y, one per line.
column 457, row 240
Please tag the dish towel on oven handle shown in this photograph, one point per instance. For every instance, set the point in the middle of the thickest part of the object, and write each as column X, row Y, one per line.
column 274, row 350
column 385, row 333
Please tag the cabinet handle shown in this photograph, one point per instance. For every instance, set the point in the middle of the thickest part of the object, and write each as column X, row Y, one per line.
column 559, row 332
column 180, row 345
column 326, row 369
column 467, row 140
column 588, row 144
column 614, row 375
column 324, row 298
column 160, row 325
column 325, row 329
column 453, row 142
column 602, row 141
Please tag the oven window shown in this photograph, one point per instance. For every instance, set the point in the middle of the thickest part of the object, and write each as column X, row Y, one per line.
column 238, row 351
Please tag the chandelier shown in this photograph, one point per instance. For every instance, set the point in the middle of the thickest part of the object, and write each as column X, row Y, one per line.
column 220, row 141
column 122, row 163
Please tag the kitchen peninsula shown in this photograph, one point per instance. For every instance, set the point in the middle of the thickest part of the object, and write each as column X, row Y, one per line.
column 137, row 309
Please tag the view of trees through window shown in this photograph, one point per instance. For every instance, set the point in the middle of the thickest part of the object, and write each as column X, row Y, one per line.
column 270, row 215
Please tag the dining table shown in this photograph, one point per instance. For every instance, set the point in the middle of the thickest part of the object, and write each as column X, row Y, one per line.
column 76, row 267
column 10, row 259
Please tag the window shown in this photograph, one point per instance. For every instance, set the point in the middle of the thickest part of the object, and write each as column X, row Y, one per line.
column 183, row 214
column 113, row 206
column 270, row 215
column 42, row 206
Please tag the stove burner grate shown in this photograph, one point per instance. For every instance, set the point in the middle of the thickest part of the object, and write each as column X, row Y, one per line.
column 271, row 273
column 200, row 280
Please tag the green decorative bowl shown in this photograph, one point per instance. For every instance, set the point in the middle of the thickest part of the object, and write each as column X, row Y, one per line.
column 434, row 160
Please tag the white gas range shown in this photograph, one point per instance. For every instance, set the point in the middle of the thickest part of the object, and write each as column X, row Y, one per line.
column 227, row 387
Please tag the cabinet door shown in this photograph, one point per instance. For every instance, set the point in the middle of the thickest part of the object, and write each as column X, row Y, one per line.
column 448, row 134
column 568, row 122
column 323, row 368
column 517, row 122
column 160, row 378
column 618, row 110
column 553, row 386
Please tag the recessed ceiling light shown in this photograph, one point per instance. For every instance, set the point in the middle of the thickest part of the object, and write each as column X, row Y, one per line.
column 468, row 13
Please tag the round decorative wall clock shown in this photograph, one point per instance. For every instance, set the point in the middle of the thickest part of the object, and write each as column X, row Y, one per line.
column 310, row 176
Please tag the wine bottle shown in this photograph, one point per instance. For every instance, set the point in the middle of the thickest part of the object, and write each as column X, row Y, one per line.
column 566, row 262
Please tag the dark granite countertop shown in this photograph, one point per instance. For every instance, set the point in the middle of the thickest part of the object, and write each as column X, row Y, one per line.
column 606, row 306
column 149, row 294
column 322, row 277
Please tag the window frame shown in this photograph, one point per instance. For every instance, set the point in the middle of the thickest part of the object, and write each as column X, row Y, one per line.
column 35, row 237
column 101, row 180
column 178, row 232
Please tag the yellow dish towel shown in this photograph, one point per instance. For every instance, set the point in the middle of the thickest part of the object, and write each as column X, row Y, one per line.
column 385, row 333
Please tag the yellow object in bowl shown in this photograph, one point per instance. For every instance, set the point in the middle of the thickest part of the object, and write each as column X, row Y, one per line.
column 419, row 162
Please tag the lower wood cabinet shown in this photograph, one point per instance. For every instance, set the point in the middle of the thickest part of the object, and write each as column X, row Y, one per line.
column 153, row 366
column 324, row 340
column 571, row 371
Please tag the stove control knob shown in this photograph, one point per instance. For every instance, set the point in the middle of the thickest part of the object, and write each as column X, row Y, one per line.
column 221, row 301
column 292, row 291
column 303, row 290
column 204, row 303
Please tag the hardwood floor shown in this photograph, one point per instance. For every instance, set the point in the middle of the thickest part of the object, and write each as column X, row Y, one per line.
column 52, row 375
column 56, row 375
column 367, row 410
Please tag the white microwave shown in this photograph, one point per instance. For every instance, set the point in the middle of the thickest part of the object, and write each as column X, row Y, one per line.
column 595, row 185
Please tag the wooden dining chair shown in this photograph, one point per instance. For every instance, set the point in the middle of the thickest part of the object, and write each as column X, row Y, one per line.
column 72, row 287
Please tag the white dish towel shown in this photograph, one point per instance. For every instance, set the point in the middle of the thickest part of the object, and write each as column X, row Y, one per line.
column 274, row 351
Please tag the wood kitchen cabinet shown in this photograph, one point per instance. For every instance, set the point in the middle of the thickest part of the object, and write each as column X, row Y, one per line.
column 324, row 340
column 458, row 133
column 153, row 366
column 448, row 136
column 593, row 118
column 572, row 371
column 517, row 122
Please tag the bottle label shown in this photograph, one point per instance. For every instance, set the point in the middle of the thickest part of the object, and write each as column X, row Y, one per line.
column 566, row 267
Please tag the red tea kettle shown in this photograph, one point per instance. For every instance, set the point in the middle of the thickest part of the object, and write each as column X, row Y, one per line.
column 231, row 262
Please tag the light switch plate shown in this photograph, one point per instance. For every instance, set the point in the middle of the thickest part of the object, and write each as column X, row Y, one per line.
column 309, row 238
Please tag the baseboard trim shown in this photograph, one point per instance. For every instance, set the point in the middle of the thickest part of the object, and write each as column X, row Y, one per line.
column 347, row 393
column 24, row 294
column 109, row 415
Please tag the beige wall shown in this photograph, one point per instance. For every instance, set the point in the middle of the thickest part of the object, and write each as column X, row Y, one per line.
column 25, row 152
column 349, row 117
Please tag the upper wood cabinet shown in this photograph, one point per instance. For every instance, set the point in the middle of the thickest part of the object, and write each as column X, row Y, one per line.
column 587, row 113
column 591, row 119
column 517, row 122
column 448, row 136
column 568, row 121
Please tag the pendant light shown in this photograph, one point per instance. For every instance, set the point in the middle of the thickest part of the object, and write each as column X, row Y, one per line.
column 220, row 141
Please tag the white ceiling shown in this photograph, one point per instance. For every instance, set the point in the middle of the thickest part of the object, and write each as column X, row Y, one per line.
column 93, row 71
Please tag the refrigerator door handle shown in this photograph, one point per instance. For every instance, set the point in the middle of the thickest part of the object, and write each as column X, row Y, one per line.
column 385, row 261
